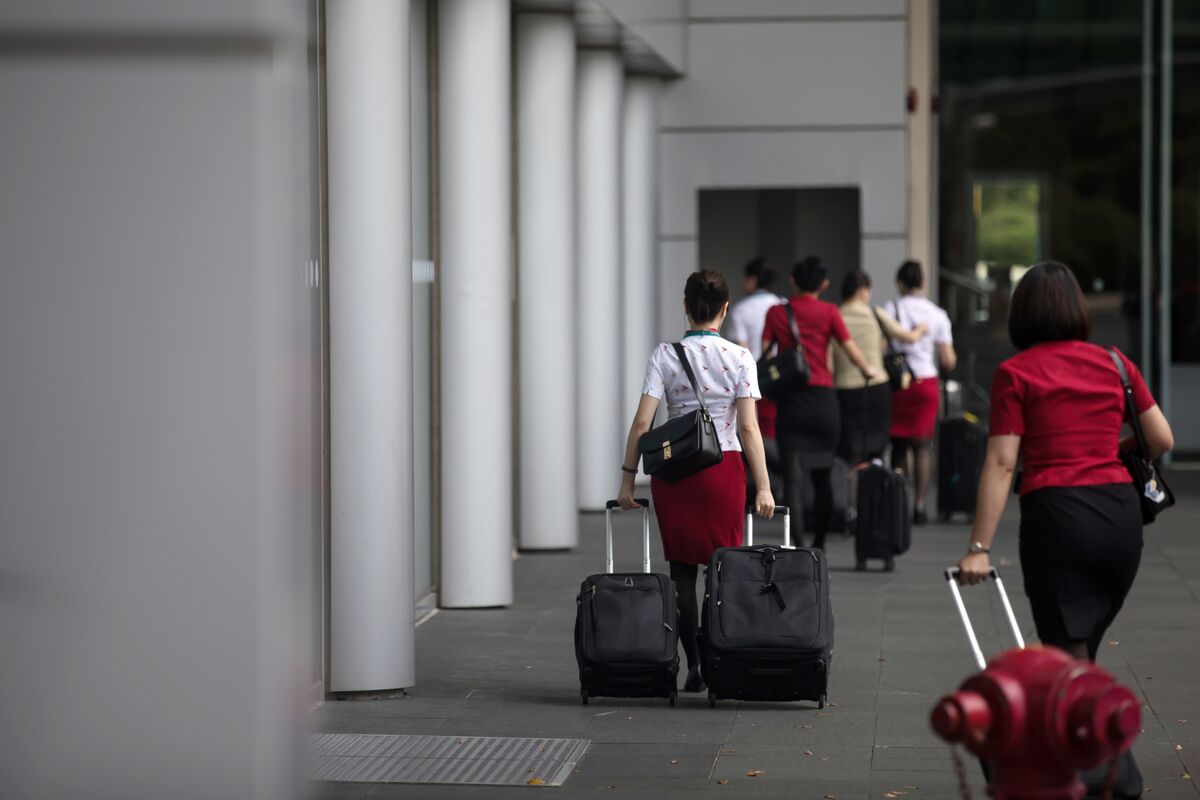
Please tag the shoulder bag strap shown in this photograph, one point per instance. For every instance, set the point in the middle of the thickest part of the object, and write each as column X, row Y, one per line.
column 1130, row 406
column 791, row 315
column 891, row 345
column 691, row 376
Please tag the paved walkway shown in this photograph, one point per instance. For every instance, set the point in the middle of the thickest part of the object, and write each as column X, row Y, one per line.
column 899, row 646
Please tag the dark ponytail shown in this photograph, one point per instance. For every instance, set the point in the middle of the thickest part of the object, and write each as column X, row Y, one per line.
column 704, row 295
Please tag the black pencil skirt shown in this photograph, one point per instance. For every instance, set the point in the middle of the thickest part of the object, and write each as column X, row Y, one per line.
column 808, row 423
column 1080, row 551
column 866, row 420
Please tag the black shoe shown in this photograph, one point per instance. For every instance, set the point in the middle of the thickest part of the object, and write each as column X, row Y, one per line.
column 919, row 516
column 694, row 682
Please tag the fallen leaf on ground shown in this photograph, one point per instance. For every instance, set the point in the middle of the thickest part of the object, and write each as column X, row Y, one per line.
column 674, row 760
column 723, row 781
column 1181, row 721
column 832, row 705
column 808, row 752
column 753, row 773
column 1114, row 643
column 536, row 782
column 831, row 797
column 1178, row 747
column 1186, row 776
column 822, row 714
column 531, row 769
column 890, row 794
column 823, row 758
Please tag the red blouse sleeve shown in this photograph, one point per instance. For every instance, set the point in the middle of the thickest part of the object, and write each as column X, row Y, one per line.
column 1143, row 401
column 837, row 325
column 772, row 324
column 1008, row 409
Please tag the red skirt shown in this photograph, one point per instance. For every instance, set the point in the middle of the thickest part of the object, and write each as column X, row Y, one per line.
column 914, row 410
column 703, row 511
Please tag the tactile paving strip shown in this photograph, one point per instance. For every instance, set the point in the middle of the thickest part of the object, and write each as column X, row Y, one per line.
column 481, row 760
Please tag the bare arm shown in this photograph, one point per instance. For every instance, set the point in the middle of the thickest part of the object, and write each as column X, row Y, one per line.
column 914, row 335
column 747, row 414
column 1159, row 438
column 994, row 485
column 642, row 420
column 946, row 356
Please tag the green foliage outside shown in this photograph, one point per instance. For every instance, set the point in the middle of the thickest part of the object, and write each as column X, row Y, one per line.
column 1006, row 222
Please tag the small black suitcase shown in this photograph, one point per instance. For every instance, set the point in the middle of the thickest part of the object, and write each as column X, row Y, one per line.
column 884, row 528
column 962, row 445
column 766, row 629
column 626, row 624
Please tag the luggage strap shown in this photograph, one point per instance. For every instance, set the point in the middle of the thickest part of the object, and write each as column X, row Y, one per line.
column 769, row 586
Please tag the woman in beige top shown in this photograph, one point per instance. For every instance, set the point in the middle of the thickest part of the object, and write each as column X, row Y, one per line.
column 866, row 406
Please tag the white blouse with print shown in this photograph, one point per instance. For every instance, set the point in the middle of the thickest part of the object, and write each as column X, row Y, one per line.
column 724, row 370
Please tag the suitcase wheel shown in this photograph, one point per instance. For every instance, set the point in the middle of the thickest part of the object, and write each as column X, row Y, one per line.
column 821, row 702
column 712, row 699
column 671, row 697
column 583, row 696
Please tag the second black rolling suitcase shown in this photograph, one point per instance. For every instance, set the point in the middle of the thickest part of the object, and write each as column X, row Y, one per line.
column 884, row 528
column 626, row 623
column 766, row 629
column 962, row 444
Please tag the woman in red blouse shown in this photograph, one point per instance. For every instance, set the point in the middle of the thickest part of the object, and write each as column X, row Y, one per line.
column 1059, row 405
column 807, row 421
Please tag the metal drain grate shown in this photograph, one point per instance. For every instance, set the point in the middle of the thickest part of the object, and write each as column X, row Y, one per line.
column 483, row 760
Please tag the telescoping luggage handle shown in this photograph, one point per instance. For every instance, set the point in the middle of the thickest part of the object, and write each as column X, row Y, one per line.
column 787, row 526
column 608, row 537
column 952, row 580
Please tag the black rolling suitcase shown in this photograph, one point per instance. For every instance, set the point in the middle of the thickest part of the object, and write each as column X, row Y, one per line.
column 884, row 528
column 766, row 629
column 962, row 444
column 626, row 624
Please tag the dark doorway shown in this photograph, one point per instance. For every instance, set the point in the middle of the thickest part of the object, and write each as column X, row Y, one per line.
column 784, row 226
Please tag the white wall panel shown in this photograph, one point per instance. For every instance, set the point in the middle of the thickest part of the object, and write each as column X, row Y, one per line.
column 793, row 8
column 677, row 260
column 880, row 259
column 772, row 73
column 872, row 160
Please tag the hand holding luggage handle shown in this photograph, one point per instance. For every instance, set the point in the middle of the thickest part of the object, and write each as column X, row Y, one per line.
column 952, row 580
column 608, row 534
column 787, row 526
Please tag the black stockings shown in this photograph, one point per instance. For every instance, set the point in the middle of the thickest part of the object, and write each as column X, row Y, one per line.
column 684, row 578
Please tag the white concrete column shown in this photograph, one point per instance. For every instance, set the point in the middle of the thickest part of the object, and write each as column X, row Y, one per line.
column 475, row 237
column 598, row 298
column 919, row 128
column 545, row 60
column 639, row 306
column 370, row 357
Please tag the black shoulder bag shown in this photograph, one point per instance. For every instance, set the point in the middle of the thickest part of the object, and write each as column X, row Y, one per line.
column 1152, row 490
column 895, row 363
column 786, row 370
column 685, row 445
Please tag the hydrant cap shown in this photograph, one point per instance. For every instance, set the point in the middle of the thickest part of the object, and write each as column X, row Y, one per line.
column 1123, row 722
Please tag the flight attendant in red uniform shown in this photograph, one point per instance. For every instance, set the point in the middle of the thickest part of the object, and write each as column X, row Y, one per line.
column 807, row 421
column 1059, row 404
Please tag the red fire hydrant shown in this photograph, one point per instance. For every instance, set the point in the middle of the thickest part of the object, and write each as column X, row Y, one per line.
column 1038, row 717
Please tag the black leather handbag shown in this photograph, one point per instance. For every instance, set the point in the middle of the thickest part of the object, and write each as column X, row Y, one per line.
column 685, row 445
column 895, row 363
column 1152, row 490
column 786, row 370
